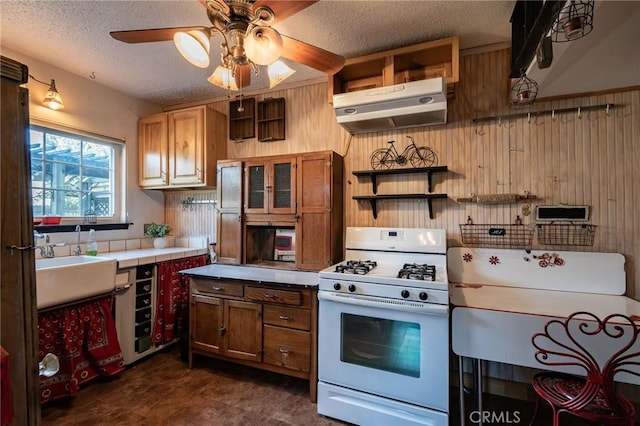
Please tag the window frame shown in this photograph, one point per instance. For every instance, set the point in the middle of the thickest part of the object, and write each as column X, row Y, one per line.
column 118, row 183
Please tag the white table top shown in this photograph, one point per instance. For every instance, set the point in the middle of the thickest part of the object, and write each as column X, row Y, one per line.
column 496, row 323
column 540, row 302
column 255, row 273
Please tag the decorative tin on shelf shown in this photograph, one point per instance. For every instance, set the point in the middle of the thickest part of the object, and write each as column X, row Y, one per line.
column 497, row 235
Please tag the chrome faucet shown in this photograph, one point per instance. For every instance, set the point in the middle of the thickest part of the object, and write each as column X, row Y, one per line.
column 46, row 250
column 77, row 251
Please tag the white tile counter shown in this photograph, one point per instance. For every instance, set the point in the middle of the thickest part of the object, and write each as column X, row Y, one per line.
column 130, row 258
column 255, row 273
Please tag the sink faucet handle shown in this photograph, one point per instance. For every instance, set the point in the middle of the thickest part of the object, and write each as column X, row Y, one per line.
column 78, row 228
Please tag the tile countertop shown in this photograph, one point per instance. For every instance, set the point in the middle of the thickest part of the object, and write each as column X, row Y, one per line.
column 254, row 273
column 130, row 258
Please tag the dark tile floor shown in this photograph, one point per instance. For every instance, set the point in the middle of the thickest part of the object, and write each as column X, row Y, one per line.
column 161, row 390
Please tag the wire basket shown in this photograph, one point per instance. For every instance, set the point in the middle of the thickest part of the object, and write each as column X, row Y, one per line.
column 497, row 235
column 566, row 234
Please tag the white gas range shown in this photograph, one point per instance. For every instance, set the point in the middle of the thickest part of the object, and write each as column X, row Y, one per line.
column 383, row 329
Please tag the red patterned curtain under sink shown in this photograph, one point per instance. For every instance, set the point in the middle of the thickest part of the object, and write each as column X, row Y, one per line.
column 172, row 305
column 84, row 339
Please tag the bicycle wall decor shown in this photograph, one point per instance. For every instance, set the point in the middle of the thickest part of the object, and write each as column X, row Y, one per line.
column 417, row 156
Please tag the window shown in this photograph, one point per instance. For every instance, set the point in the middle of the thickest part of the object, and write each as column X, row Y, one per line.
column 73, row 175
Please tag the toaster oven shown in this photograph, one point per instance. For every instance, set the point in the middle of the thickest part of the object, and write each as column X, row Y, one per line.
column 285, row 245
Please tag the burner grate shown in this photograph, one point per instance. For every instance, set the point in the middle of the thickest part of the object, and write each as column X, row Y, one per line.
column 414, row 271
column 358, row 267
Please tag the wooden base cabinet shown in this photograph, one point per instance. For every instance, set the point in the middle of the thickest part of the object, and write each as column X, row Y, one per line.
column 271, row 326
column 227, row 327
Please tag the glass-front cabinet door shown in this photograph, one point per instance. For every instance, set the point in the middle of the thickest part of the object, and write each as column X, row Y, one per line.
column 270, row 186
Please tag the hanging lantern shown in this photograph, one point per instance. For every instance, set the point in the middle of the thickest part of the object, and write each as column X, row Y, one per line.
column 523, row 92
column 573, row 22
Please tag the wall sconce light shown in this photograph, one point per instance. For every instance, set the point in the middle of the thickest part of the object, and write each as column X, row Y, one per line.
column 574, row 21
column 52, row 100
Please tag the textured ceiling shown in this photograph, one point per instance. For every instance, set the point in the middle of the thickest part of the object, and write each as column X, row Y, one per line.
column 74, row 35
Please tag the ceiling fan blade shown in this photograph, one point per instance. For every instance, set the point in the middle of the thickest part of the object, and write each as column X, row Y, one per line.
column 284, row 9
column 311, row 56
column 243, row 75
column 151, row 35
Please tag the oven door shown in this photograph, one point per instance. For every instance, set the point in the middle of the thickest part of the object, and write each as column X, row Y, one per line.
column 390, row 348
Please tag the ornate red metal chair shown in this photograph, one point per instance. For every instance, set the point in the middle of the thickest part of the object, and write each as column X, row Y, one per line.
column 573, row 342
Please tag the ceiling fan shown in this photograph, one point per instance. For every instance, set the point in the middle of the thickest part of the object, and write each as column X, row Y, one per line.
column 248, row 41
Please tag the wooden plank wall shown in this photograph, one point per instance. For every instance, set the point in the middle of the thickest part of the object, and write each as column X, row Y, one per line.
column 197, row 219
column 566, row 159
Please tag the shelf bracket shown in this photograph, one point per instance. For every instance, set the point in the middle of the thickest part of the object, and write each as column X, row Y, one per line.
column 374, row 207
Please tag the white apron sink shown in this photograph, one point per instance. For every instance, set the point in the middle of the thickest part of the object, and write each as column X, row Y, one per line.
column 65, row 279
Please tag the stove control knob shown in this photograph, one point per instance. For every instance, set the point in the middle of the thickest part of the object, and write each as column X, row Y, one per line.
column 337, row 286
column 423, row 295
column 352, row 288
column 405, row 293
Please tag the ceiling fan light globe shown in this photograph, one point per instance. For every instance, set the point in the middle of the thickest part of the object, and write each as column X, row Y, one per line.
column 223, row 77
column 278, row 71
column 193, row 46
column 263, row 45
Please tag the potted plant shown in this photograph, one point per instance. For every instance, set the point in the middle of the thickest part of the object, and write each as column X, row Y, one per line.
column 158, row 231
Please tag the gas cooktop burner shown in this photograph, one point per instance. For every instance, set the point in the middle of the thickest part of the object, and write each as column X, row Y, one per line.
column 414, row 271
column 358, row 267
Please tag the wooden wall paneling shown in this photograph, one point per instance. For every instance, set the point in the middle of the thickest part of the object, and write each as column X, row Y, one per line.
column 562, row 160
column 194, row 220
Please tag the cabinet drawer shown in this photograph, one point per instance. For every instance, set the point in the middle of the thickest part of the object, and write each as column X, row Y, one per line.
column 285, row 297
column 287, row 348
column 219, row 288
column 143, row 300
column 143, row 315
column 287, row 317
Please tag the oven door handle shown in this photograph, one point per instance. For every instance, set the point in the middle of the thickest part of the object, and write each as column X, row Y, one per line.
column 392, row 304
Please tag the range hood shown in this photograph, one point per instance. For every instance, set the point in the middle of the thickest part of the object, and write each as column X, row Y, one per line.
column 413, row 104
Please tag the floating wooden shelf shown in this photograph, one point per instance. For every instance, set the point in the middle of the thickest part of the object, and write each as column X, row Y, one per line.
column 271, row 120
column 242, row 123
column 373, row 200
column 373, row 174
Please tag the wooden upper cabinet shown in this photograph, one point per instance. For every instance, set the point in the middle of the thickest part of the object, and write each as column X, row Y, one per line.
column 153, row 151
column 180, row 148
column 229, row 200
column 437, row 58
column 270, row 185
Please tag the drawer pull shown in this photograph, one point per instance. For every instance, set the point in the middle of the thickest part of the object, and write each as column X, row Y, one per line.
column 147, row 287
column 285, row 351
column 217, row 288
column 284, row 317
column 269, row 296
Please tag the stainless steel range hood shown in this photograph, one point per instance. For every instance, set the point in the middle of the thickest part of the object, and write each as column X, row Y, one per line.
column 418, row 103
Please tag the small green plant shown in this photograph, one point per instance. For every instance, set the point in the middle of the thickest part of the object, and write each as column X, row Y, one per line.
column 157, row 230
